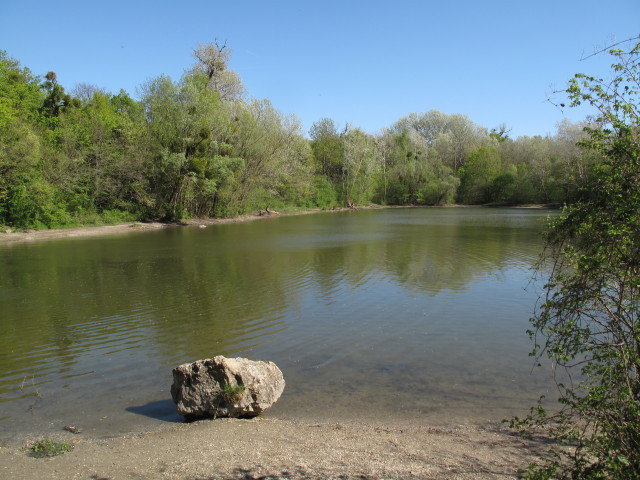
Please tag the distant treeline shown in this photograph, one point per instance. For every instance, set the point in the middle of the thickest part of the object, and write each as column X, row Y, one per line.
column 200, row 147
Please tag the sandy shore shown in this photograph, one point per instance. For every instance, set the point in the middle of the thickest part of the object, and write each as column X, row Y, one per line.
column 273, row 449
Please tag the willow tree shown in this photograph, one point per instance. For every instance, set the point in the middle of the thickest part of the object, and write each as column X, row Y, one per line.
column 412, row 172
column 361, row 166
column 182, row 118
column 277, row 167
column 327, row 148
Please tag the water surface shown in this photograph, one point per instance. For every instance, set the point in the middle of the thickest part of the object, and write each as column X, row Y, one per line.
column 399, row 315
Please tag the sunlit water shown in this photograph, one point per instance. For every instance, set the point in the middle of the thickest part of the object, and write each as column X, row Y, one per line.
column 393, row 316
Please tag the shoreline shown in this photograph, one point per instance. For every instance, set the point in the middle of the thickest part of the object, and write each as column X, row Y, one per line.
column 12, row 237
column 94, row 231
column 277, row 449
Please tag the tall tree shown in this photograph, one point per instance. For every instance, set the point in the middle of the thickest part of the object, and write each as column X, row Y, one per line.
column 428, row 125
column 327, row 148
column 56, row 99
column 273, row 151
column 454, row 136
column 213, row 61
column 26, row 200
column 361, row 166
column 181, row 117
column 477, row 176
column 102, row 157
column 412, row 172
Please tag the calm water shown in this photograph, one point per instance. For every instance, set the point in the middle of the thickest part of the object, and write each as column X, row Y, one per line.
column 401, row 315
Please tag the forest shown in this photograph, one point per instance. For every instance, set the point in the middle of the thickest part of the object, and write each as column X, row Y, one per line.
column 200, row 146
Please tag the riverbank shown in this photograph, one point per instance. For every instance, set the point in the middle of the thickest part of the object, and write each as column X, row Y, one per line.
column 11, row 236
column 273, row 449
column 94, row 231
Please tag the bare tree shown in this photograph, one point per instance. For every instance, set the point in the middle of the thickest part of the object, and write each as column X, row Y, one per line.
column 213, row 60
column 85, row 92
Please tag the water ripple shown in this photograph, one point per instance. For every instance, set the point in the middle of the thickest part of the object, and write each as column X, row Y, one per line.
column 361, row 311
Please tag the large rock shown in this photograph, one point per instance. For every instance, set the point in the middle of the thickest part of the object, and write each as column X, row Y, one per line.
column 225, row 387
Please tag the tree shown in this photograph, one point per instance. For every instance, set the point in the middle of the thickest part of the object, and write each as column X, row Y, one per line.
column 26, row 200
column 102, row 159
column 20, row 96
column 589, row 319
column 412, row 171
column 213, row 60
column 477, row 176
column 571, row 163
column 428, row 125
column 327, row 148
column 500, row 133
column 463, row 136
column 360, row 166
column 56, row 100
column 454, row 136
column 276, row 157
column 181, row 118
column 84, row 92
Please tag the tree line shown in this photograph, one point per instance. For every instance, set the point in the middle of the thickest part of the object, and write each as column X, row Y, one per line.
column 201, row 147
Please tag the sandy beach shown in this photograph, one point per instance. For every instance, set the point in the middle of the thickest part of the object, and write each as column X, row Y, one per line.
column 274, row 449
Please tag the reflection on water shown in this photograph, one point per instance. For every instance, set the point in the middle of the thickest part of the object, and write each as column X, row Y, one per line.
column 389, row 315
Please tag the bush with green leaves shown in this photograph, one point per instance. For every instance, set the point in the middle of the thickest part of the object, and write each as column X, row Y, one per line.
column 588, row 322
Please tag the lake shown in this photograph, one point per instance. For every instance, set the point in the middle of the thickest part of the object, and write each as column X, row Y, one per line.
column 409, row 315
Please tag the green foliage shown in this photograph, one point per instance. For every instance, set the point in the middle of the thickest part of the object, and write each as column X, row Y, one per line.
column 20, row 95
column 478, row 176
column 198, row 147
column 361, row 167
column 49, row 448
column 324, row 194
column 327, row 148
column 452, row 136
column 440, row 186
column 502, row 189
column 500, row 134
column 35, row 204
column 56, row 100
column 412, row 172
column 589, row 320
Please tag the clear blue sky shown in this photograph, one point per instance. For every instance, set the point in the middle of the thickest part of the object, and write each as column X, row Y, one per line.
column 367, row 63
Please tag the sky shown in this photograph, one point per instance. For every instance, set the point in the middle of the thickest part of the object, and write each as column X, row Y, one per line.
column 365, row 63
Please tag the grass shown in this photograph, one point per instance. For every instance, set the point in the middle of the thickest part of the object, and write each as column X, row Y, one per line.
column 232, row 393
column 49, row 448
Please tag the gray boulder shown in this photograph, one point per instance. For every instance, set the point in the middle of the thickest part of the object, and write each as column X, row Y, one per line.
column 225, row 387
